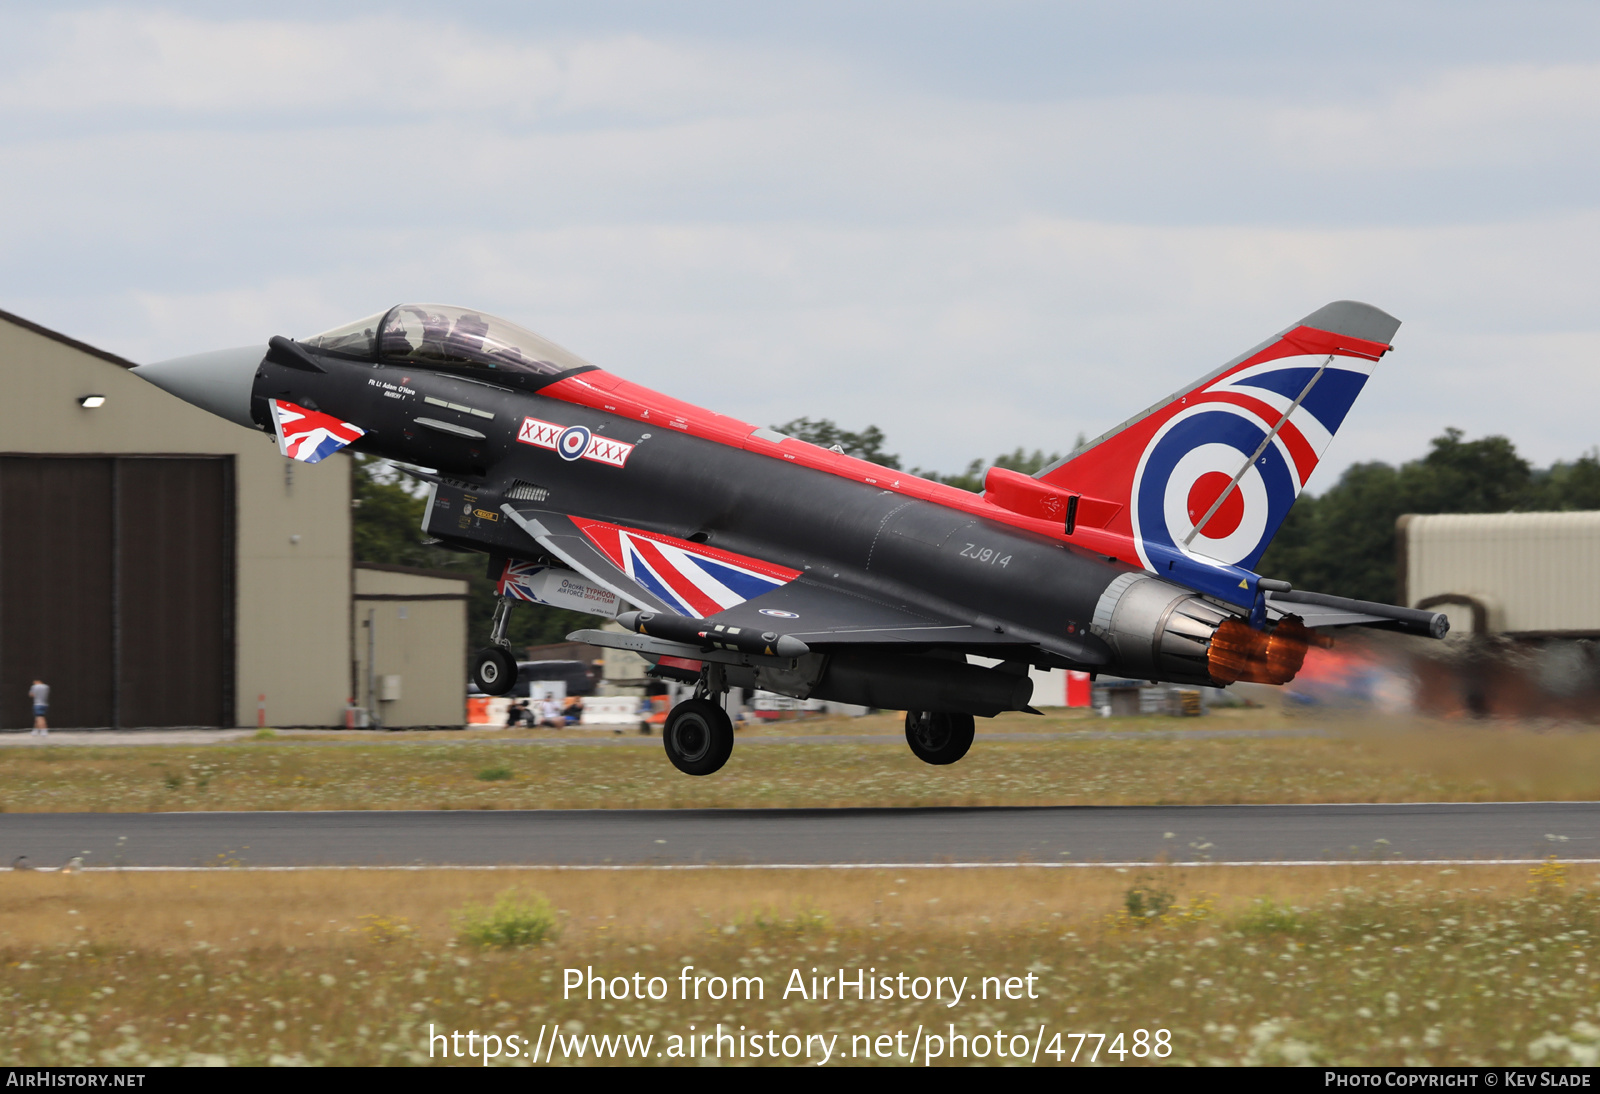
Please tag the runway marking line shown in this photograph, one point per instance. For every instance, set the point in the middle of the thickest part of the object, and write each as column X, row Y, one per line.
column 1145, row 864
column 822, row 810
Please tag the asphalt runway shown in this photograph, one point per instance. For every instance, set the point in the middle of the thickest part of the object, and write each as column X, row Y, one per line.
column 588, row 739
column 1223, row 833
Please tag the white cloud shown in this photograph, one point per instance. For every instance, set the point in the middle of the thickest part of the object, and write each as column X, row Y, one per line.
column 1457, row 118
column 133, row 60
column 776, row 232
column 966, row 342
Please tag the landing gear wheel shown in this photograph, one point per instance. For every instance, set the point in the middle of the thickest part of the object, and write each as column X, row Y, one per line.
column 494, row 671
column 938, row 738
column 698, row 736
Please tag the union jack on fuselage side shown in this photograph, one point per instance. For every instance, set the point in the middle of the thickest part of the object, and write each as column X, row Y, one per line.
column 308, row 435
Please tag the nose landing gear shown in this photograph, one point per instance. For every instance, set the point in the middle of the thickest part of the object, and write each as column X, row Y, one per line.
column 494, row 670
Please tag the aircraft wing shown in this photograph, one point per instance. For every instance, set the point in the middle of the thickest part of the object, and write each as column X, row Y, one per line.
column 823, row 615
column 822, row 618
column 693, row 581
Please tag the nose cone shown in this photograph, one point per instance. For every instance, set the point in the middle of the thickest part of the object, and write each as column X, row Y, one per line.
column 219, row 381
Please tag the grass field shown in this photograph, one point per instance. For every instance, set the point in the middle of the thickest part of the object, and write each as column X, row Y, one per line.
column 1336, row 964
column 1151, row 761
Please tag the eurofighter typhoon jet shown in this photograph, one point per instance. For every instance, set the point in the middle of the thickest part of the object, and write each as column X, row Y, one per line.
column 736, row 556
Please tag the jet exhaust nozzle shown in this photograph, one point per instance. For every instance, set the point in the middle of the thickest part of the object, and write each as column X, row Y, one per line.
column 1163, row 632
column 1241, row 654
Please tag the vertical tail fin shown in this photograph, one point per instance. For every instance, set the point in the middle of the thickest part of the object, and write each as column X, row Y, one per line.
column 1213, row 469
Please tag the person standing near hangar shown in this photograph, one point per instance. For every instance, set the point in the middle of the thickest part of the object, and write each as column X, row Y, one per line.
column 39, row 695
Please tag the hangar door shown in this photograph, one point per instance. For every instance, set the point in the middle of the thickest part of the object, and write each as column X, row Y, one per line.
column 116, row 589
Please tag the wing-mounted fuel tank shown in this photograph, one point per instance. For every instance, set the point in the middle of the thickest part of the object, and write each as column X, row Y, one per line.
column 1161, row 631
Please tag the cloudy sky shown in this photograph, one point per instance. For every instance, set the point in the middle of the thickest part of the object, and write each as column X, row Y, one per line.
column 977, row 225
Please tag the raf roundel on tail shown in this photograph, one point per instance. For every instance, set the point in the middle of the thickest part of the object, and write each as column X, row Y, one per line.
column 1213, row 470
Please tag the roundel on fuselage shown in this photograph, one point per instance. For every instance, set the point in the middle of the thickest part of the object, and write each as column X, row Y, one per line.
column 573, row 442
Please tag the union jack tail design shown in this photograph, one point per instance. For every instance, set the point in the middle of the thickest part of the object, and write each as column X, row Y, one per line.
column 308, row 435
column 692, row 578
column 1212, row 470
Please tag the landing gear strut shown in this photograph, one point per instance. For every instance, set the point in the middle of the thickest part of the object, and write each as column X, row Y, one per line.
column 698, row 733
column 494, row 670
column 938, row 738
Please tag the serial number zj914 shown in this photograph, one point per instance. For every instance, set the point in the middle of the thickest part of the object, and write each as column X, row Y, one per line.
column 985, row 554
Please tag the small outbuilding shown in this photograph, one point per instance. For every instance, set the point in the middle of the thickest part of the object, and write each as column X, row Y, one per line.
column 410, row 628
column 162, row 567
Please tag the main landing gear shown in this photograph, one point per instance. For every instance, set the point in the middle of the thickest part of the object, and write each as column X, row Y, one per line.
column 698, row 733
column 938, row 738
column 494, row 670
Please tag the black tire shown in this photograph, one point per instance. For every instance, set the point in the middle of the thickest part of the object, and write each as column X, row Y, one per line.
column 494, row 671
column 937, row 738
column 698, row 736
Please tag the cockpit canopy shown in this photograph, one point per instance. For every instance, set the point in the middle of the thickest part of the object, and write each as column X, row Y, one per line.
column 438, row 336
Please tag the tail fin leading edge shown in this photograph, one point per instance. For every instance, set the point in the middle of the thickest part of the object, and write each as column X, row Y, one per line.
column 1213, row 469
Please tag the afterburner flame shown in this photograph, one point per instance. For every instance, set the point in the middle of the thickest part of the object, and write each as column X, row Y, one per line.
column 1240, row 653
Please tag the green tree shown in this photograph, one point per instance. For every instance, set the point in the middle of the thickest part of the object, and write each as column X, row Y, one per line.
column 868, row 445
column 1023, row 461
column 388, row 518
column 1564, row 486
column 970, row 479
column 1456, row 476
column 1344, row 541
column 824, row 432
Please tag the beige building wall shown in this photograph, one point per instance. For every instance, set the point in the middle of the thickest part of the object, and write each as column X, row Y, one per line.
column 417, row 620
column 292, row 614
column 620, row 670
column 1521, row 573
